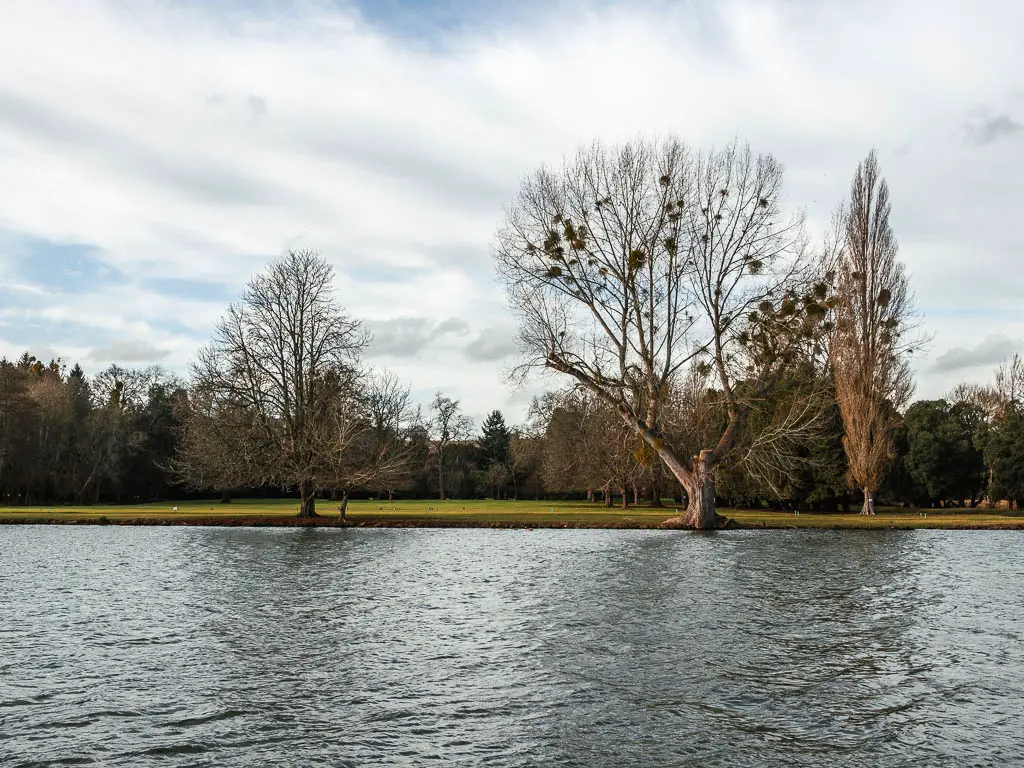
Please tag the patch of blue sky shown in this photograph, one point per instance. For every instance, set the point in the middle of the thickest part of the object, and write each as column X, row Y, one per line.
column 187, row 288
column 419, row 18
column 55, row 267
column 430, row 22
column 15, row 296
column 178, row 328
column 426, row 21
column 32, row 333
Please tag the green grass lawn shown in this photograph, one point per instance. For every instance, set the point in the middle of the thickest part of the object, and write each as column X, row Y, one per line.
column 496, row 513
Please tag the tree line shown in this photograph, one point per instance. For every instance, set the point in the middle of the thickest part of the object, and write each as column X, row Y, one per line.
column 66, row 438
column 703, row 348
column 138, row 435
column 69, row 438
column 957, row 451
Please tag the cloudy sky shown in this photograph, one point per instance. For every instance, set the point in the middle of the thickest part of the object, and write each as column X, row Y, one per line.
column 154, row 155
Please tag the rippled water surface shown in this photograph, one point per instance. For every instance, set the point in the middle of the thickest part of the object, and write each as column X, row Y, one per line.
column 262, row 647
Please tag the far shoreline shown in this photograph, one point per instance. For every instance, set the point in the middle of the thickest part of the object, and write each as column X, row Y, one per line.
column 936, row 520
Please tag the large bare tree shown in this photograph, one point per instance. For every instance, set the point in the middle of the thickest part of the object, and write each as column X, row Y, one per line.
column 277, row 394
column 873, row 315
column 632, row 264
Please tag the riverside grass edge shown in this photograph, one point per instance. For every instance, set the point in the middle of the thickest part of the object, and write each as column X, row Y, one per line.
column 489, row 514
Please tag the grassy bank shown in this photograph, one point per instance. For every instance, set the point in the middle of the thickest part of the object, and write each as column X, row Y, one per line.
column 510, row 514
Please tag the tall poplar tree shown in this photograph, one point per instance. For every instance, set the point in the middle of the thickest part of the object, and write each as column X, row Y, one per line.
column 870, row 345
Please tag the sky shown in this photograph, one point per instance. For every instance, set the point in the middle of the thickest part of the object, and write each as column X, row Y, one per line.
column 154, row 155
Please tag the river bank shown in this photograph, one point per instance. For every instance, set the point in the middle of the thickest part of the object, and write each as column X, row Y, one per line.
column 486, row 514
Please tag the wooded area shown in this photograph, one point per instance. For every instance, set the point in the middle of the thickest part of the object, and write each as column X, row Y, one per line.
column 68, row 438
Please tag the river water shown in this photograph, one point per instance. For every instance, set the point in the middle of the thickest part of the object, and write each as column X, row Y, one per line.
column 144, row 646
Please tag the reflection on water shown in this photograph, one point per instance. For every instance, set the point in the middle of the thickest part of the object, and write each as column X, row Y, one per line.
column 233, row 647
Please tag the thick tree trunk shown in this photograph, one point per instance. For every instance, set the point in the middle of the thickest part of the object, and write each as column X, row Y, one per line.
column 343, row 507
column 699, row 484
column 625, row 498
column 225, row 496
column 590, row 495
column 869, row 503
column 307, row 506
column 700, row 513
column 700, row 491
column 636, row 496
column 607, row 495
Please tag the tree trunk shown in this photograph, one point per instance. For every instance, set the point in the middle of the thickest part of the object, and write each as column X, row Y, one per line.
column 699, row 485
column 307, row 506
column 607, row 495
column 343, row 507
column 625, row 499
column 636, row 496
column 440, row 474
column 869, row 503
column 590, row 495
column 656, row 497
column 225, row 496
column 700, row 513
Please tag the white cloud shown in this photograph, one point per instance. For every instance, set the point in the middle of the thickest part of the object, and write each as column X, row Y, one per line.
column 408, row 336
column 991, row 351
column 184, row 142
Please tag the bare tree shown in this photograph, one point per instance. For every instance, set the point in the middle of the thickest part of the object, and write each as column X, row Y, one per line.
column 987, row 399
column 587, row 446
column 129, row 387
column 392, row 417
column 526, row 454
column 558, row 423
column 448, row 424
column 870, row 344
column 212, row 451
column 278, row 389
column 632, row 264
column 576, row 436
column 1009, row 381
